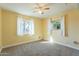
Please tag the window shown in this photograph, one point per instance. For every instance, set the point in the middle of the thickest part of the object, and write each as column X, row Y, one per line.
column 25, row 26
column 57, row 24
column 28, row 27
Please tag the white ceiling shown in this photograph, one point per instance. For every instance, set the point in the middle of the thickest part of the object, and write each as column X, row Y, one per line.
column 28, row 8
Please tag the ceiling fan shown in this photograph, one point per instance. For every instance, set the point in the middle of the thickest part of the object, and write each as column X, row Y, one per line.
column 41, row 8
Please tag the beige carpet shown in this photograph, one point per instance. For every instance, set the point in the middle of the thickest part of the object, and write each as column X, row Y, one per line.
column 40, row 49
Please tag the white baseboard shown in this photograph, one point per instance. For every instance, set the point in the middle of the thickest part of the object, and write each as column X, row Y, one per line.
column 7, row 46
column 67, row 45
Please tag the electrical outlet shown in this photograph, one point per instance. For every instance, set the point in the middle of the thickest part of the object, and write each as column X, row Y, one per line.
column 75, row 42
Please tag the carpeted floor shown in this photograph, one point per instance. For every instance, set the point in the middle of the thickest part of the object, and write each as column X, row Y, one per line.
column 40, row 49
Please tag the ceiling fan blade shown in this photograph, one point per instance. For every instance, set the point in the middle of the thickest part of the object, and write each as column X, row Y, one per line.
column 41, row 8
column 46, row 8
column 41, row 5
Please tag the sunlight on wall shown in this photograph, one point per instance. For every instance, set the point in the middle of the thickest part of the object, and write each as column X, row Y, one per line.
column 51, row 40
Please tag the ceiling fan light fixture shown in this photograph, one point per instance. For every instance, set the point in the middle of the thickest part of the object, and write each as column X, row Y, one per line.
column 40, row 12
column 41, row 8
